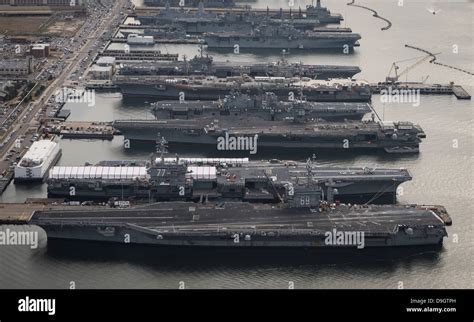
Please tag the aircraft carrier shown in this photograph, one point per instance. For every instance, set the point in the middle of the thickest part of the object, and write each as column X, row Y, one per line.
column 205, row 65
column 301, row 221
column 315, row 12
column 213, row 88
column 191, row 3
column 249, row 135
column 202, row 21
column 229, row 21
column 205, row 179
column 282, row 36
column 266, row 106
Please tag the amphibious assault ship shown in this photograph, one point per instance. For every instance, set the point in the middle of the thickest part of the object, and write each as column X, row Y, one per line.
column 299, row 221
column 222, row 179
column 266, row 106
column 248, row 135
column 283, row 36
column 213, row 88
column 205, row 65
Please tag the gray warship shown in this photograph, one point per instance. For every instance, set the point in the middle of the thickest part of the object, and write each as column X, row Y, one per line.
column 205, row 179
column 312, row 11
column 299, row 221
column 202, row 21
column 191, row 3
column 205, row 65
column 249, row 135
column 213, row 88
column 266, row 106
column 283, row 36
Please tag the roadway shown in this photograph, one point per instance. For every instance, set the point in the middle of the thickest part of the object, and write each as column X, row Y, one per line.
column 28, row 117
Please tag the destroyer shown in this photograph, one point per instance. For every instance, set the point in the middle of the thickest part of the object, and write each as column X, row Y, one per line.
column 213, row 88
column 267, row 107
column 223, row 179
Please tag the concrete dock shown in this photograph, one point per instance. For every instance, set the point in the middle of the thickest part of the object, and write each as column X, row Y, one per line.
column 21, row 213
column 14, row 214
column 84, row 130
column 425, row 89
column 185, row 41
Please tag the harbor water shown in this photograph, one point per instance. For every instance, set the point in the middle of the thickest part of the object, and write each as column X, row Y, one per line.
column 443, row 174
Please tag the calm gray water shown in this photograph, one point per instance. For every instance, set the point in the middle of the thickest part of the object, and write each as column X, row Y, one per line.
column 443, row 174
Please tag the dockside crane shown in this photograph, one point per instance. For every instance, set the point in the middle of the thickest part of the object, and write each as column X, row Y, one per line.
column 395, row 68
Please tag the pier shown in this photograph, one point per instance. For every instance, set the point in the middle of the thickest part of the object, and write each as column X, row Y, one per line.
column 21, row 213
column 17, row 214
column 121, row 55
column 375, row 14
column 425, row 89
column 186, row 41
column 5, row 180
column 84, row 130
